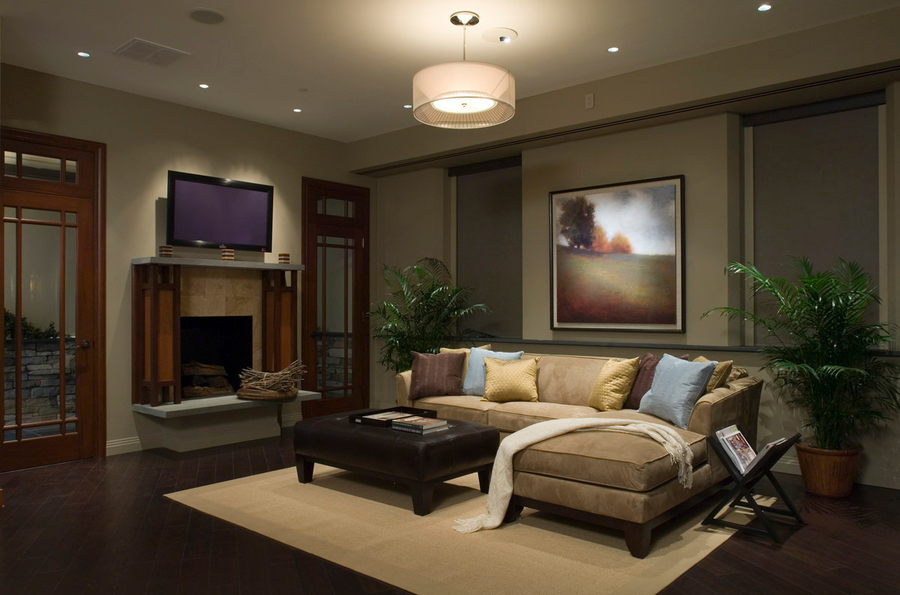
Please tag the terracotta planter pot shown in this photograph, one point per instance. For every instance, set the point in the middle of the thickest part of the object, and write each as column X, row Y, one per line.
column 828, row 473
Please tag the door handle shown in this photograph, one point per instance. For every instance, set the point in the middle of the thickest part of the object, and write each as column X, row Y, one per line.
column 84, row 344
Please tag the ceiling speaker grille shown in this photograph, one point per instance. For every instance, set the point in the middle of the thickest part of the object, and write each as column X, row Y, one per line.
column 149, row 52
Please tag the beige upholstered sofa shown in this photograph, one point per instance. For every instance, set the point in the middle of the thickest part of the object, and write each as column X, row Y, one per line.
column 619, row 480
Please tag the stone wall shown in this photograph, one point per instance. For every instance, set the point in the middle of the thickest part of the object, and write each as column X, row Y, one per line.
column 40, row 380
column 334, row 361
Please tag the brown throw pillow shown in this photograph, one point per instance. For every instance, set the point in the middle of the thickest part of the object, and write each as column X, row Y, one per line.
column 436, row 374
column 643, row 380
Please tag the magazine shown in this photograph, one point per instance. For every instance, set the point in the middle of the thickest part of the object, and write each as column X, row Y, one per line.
column 737, row 447
column 414, row 423
column 761, row 455
column 386, row 415
column 740, row 451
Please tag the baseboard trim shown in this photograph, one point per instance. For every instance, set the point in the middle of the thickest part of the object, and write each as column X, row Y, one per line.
column 122, row 445
column 787, row 464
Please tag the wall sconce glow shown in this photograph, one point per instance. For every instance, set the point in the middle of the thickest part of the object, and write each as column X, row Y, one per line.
column 84, row 55
column 297, row 110
column 204, row 86
column 764, row 7
column 613, row 50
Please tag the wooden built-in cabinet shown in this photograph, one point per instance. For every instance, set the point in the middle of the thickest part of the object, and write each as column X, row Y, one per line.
column 156, row 322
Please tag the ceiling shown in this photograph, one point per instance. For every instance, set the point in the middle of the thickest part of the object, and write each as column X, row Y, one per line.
column 357, row 57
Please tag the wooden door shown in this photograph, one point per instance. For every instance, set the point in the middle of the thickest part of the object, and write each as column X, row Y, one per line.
column 53, row 408
column 335, row 296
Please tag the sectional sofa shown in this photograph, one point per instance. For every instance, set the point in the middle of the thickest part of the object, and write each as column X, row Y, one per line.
column 623, row 481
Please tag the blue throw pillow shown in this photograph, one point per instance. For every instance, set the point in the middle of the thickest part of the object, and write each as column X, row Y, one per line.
column 676, row 388
column 475, row 373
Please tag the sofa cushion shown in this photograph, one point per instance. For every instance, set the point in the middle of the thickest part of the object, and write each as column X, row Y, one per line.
column 475, row 374
column 623, row 461
column 465, row 351
column 676, row 387
column 435, row 375
column 510, row 380
column 460, row 407
column 513, row 416
column 568, row 379
column 613, row 384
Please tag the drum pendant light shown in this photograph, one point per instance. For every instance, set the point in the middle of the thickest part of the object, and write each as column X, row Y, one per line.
column 464, row 95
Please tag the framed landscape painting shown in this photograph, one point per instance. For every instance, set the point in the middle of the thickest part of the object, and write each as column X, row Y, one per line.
column 617, row 258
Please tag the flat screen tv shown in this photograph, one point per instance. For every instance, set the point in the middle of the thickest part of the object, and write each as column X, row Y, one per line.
column 211, row 212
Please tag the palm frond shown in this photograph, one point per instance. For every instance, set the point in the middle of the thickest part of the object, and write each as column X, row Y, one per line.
column 423, row 308
column 821, row 358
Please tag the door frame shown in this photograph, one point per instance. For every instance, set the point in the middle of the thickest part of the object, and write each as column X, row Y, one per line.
column 98, row 259
column 360, row 221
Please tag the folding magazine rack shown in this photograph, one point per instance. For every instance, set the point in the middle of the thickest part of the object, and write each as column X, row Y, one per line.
column 741, row 492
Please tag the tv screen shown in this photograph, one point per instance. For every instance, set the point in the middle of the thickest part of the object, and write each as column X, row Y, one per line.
column 211, row 212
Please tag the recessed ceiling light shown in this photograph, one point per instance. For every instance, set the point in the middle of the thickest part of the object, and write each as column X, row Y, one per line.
column 764, row 7
column 613, row 50
column 206, row 16
column 84, row 54
column 297, row 110
column 500, row 35
column 407, row 106
column 204, row 86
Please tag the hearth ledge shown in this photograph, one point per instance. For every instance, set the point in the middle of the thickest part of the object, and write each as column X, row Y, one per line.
column 207, row 405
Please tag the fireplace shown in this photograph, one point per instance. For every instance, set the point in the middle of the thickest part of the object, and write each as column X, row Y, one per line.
column 167, row 293
column 214, row 350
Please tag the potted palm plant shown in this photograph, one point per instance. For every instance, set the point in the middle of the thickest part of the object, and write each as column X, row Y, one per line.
column 820, row 349
column 424, row 309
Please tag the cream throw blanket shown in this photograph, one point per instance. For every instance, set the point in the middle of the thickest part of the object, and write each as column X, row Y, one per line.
column 502, row 476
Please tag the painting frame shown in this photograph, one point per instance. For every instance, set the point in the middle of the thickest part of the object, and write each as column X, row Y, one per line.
column 667, row 313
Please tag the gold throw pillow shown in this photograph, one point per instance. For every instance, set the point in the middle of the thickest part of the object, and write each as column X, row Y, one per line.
column 465, row 351
column 613, row 384
column 720, row 375
column 510, row 380
column 737, row 373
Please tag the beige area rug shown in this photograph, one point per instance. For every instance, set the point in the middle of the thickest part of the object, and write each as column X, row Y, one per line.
column 368, row 525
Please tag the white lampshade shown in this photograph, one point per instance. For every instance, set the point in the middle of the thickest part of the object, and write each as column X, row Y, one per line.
column 464, row 95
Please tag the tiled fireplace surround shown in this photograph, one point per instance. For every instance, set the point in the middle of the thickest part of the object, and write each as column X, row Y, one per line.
column 218, row 289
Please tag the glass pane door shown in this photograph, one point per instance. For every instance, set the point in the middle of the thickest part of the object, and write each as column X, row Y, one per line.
column 39, row 348
column 334, row 315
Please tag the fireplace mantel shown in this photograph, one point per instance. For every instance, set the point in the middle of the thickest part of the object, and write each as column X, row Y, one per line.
column 219, row 264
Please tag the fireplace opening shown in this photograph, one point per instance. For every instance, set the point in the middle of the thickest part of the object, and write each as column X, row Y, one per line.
column 214, row 350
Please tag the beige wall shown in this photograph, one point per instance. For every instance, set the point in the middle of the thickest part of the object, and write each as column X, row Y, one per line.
column 145, row 138
column 410, row 219
column 811, row 53
column 699, row 150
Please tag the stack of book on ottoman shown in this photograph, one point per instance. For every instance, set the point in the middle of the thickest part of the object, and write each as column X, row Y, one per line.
column 404, row 422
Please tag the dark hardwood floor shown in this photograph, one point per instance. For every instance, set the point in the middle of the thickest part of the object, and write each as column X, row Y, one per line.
column 103, row 526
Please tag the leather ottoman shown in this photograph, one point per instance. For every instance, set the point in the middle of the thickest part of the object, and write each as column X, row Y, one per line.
column 420, row 461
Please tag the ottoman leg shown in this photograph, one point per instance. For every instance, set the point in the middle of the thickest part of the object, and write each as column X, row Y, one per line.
column 422, row 494
column 484, row 479
column 304, row 469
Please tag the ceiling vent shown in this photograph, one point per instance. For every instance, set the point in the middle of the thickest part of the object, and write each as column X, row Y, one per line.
column 149, row 52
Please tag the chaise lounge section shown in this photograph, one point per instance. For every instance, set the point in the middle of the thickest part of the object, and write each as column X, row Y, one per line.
column 622, row 481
